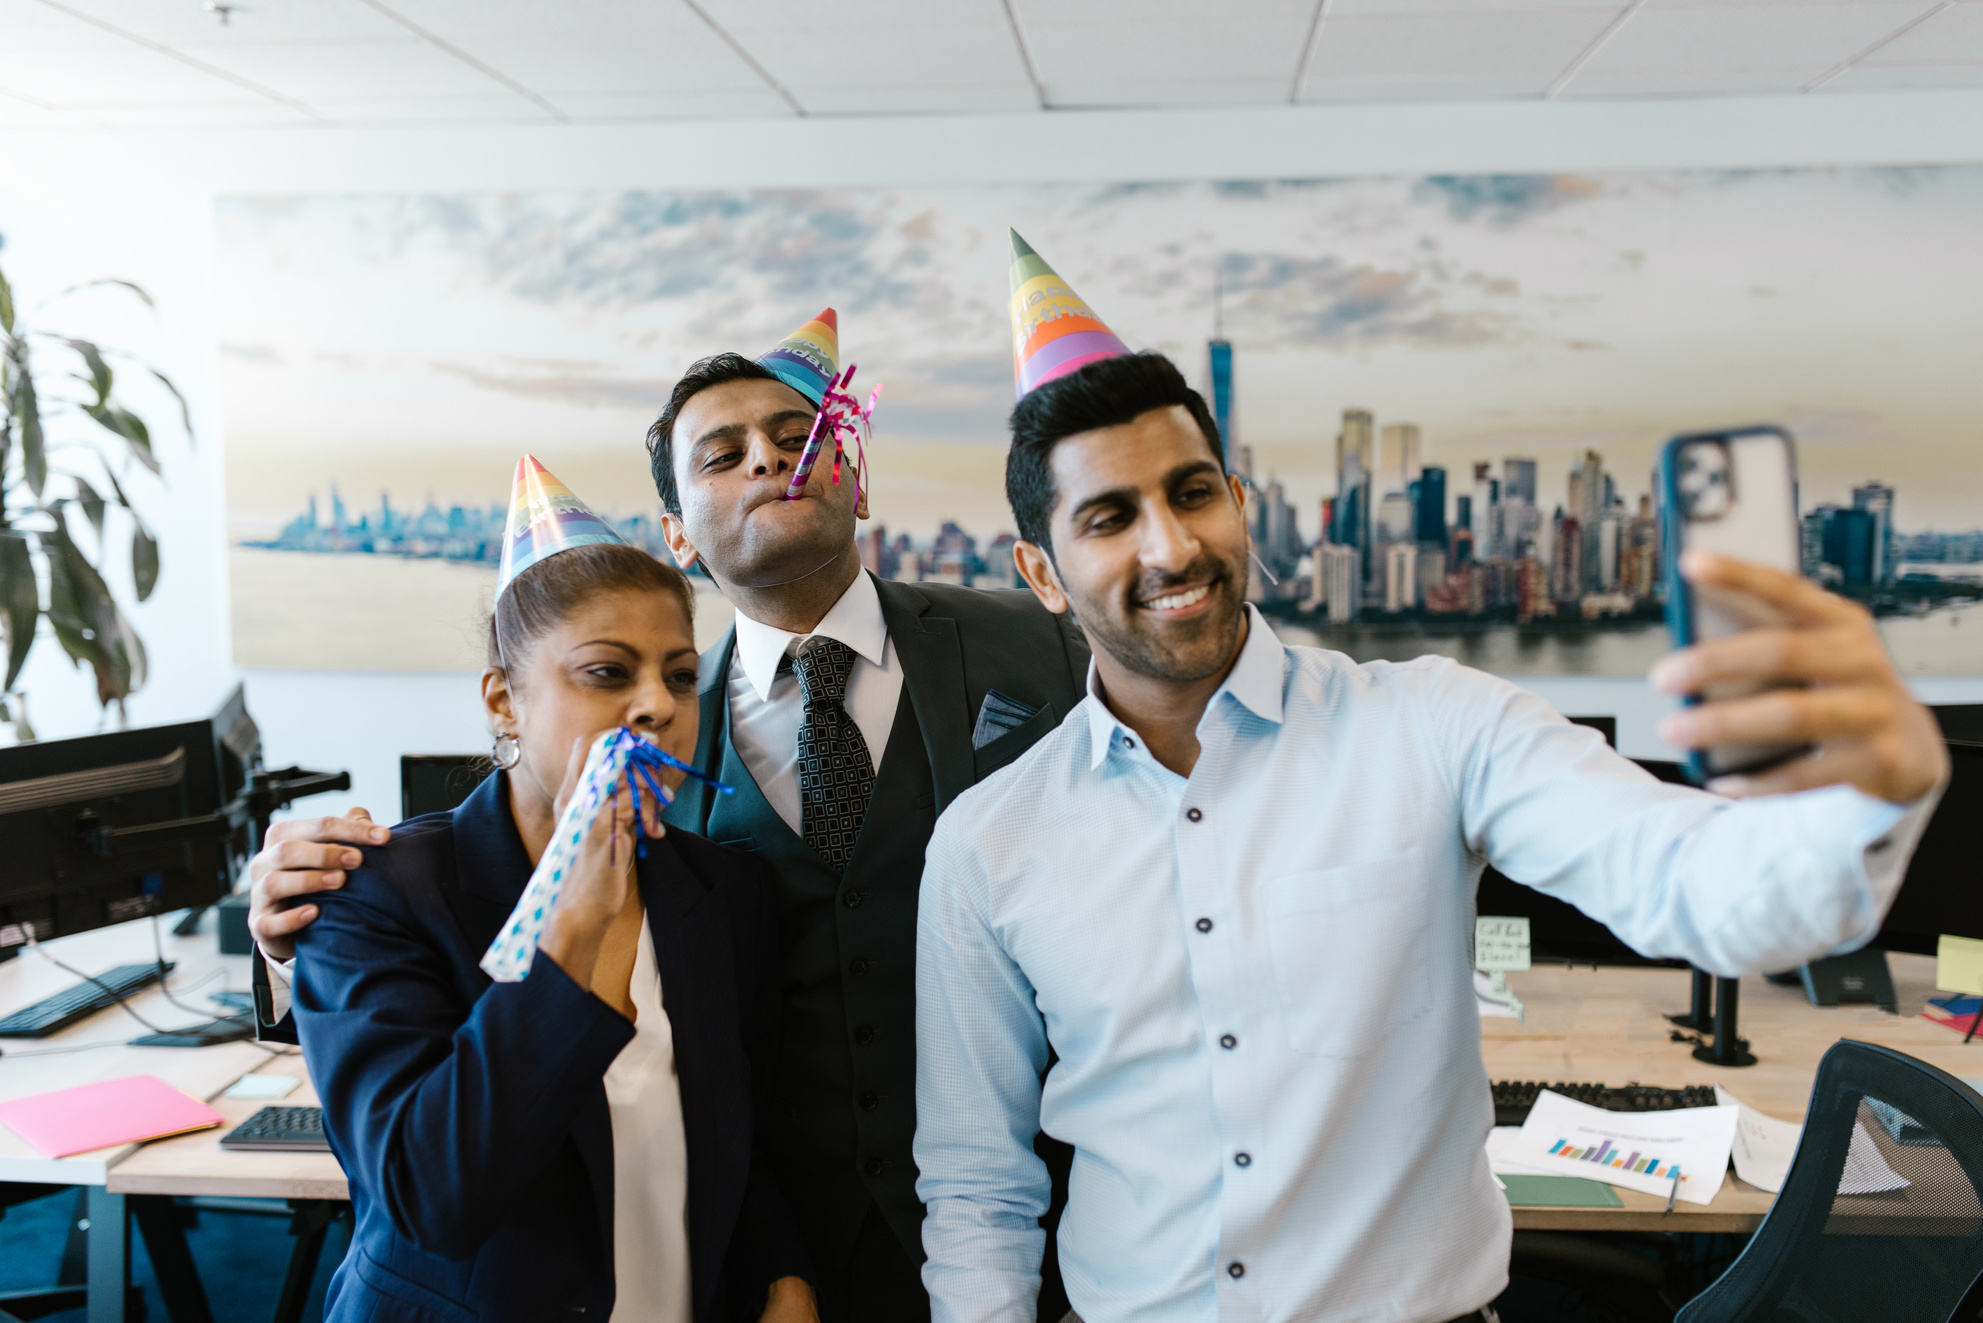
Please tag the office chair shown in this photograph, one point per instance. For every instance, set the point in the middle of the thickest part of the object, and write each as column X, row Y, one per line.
column 1904, row 1256
column 69, row 1291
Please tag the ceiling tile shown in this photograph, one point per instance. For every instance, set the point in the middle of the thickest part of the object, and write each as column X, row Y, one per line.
column 1345, row 8
column 18, row 114
column 130, row 75
column 1701, row 82
column 751, row 103
column 27, row 25
column 217, row 115
column 1534, row 44
column 839, row 98
column 1807, row 37
column 184, row 25
column 1905, row 78
column 403, row 66
column 1954, row 36
column 654, row 46
column 1088, row 52
column 501, row 108
column 1408, row 88
column 854, row 55
column 1130, row 93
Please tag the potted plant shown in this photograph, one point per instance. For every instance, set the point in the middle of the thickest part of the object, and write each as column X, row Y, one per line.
column 44, row 571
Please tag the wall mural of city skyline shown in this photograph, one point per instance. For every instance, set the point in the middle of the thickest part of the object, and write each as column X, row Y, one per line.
column 1447, row 391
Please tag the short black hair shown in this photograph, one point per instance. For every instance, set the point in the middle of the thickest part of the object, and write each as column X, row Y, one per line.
column 1104, row 394
column 702, row 374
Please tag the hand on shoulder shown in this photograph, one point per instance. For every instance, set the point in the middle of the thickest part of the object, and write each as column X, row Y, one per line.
column 300, row 858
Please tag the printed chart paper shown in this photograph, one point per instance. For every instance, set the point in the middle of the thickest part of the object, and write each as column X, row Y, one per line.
column 1636, row 1150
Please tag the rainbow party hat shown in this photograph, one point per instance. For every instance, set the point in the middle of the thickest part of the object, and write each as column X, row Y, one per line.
column 808, row 359
column 545, row 518
column 1053, row 331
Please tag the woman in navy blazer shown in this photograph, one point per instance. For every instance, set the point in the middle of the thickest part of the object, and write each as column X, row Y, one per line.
column 472, row 1117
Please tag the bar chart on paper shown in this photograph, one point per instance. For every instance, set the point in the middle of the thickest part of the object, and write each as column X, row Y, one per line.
column 1607, row 1154
column 1683, row 1153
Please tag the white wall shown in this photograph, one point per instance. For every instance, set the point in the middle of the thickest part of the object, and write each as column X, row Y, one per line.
column 77, row 205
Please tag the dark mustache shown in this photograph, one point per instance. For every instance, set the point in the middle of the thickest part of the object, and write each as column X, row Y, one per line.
column 1207, row 569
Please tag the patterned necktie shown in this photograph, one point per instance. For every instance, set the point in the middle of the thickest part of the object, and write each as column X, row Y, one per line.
column 836, row 774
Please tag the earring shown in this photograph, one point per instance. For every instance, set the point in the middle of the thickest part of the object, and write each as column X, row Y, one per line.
column 507, row 752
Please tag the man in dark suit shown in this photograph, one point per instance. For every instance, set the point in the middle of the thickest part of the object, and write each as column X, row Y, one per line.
column 848, row 711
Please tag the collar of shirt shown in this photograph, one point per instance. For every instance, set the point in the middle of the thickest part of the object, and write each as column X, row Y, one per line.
column 1255, row 682
column 855, row 620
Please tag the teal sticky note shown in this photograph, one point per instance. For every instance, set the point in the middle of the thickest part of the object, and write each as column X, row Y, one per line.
column 263, row 1086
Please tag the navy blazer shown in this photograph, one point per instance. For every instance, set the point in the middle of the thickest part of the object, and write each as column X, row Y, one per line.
column 471, row 1116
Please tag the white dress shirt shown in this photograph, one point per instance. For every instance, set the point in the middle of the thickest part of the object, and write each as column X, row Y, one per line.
column 1258, row 981
column 767, row 709
column 650, row 1161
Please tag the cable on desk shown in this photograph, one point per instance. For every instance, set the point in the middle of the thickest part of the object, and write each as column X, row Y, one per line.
column 158, row 946
column 37, row 948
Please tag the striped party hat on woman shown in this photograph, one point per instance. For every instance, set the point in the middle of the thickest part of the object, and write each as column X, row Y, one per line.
column 808, row 358
column 1053, row 331
column 545, row 518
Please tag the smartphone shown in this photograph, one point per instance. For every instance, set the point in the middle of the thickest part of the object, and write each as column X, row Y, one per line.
column 1733, row 493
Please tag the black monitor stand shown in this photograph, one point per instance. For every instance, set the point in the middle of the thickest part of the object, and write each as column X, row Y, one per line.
column 1716, row 1001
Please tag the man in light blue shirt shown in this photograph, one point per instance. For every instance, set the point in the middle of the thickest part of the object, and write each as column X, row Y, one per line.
column 1233, row 895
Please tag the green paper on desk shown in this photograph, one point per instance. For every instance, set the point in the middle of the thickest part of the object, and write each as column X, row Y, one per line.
column 1558, row 1192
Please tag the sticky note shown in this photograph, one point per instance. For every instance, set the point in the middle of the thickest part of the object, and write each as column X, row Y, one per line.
column 1959, row 964
column 263, row 1086
column 1501, row 943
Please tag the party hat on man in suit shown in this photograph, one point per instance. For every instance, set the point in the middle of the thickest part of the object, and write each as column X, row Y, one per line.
column 808, row 359
column 545, row 518
column 1053, row 331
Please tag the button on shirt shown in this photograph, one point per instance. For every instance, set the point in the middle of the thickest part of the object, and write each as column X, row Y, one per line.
column 767, row 709
column 1258, row 982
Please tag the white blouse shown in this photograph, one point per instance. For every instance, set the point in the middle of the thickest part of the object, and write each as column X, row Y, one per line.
column 650, row 1162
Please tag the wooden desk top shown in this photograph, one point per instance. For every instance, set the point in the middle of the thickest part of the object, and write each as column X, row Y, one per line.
column 1609, row 1026
column 197, row 1164
column 95, row 1049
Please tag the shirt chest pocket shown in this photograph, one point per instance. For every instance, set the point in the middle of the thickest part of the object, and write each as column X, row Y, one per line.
column 1348, row 949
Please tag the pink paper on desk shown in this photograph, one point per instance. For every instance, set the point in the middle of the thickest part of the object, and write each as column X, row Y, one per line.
column 93, row 1116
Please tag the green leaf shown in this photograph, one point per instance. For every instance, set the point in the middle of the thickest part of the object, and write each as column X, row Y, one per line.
column 6, row 305
column 128, row 425
column 87, row 621
column 20, row 601
column 185, row 413
column 27, row 411
column 92, row 504
column 112, row 280
column 100, row 375
column 144, row 561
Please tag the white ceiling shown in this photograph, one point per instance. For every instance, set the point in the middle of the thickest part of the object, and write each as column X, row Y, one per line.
column 176, row 63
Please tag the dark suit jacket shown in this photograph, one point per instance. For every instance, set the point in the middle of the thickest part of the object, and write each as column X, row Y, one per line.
column 841, row 1128
column 471, row 1116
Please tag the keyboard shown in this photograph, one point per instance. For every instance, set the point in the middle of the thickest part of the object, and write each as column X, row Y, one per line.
column 299, row 1128
column 1513, row 1098
column 56, row 1013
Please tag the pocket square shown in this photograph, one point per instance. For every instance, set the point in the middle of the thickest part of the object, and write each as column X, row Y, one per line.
column 998, row 715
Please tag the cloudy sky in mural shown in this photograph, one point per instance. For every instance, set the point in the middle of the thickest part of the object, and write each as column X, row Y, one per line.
column 418, row 344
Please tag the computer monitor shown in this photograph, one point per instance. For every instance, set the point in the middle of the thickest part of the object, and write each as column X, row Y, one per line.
column 437, row 782
column 104, row 828
column 1943, row 890
column 1558, row 930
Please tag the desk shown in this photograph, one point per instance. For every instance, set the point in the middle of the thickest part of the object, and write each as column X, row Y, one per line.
column 95, row 1049
column 1609, row 1026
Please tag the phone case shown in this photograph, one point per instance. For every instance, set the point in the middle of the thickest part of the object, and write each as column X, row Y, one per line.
column 1733, row 493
